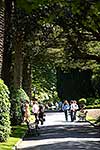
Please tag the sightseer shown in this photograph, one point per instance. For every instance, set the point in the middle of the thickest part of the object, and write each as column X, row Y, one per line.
column 27, row 113
column 41, row 114
column 73, row 109
column 35, row 109
column 65, row 108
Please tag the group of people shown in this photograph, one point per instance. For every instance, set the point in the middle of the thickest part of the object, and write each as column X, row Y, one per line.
column 37, row 110
column 70, row 108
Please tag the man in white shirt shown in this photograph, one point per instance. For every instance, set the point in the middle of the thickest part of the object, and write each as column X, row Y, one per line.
column 35, row 109
column 73, row 107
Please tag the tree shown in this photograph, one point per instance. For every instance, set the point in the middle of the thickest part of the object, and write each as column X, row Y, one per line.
column 6, row 65
column 5, row 128
column 60, row 33
column 1, row 34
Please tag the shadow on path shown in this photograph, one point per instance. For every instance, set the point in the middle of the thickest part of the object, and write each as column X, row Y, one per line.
column 57, row 134
column 65, row 131
column 63, row 137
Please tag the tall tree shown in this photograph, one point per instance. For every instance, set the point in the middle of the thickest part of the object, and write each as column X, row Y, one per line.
column 6, row 66
column 1, row 33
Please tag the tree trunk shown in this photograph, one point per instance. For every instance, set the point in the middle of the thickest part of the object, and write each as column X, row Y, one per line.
column 18, row 62
column 27, row 77
column 6, row 66
column 1, row 34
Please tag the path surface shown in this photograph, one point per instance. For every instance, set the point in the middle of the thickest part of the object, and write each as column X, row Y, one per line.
column 57, row 134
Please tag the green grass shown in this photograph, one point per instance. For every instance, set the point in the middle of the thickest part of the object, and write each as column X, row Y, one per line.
column 17, row 133
column 90, row 119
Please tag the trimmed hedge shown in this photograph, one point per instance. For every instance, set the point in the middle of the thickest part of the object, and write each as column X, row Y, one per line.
column 5, row 128
column 16, row 98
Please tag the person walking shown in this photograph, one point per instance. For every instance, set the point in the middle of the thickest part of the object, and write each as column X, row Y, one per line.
column 65, row 108
column 73, row 109
column 41, row 113
column 27, row 111
column 35, row 110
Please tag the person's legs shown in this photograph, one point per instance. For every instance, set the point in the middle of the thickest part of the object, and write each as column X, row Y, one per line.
column 74, row 115
column 36, row 117
column 71, row 115
column 65, row 114
column 41, row 118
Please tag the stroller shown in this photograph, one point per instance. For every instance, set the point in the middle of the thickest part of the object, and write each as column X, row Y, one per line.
column 33, row 126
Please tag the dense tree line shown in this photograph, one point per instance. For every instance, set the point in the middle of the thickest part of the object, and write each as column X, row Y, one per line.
column 60, row 27
column 37, row 37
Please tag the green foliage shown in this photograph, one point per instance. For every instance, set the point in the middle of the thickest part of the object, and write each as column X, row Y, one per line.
column 4, row 112
column 17, row 96
column 93, row 106
column 44, row 79
column 1, row 3
column 29, row 5
column 20, row 94
column 92, row 101
column 70, row 25
column 97, row 101
column 82, row 101
column 17, row 132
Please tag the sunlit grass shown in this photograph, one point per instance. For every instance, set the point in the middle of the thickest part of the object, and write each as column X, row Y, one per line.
column 17, row 133
column 89, row 118
column 9, row 144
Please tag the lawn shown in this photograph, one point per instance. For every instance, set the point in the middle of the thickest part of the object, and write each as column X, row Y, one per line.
column 16, row 135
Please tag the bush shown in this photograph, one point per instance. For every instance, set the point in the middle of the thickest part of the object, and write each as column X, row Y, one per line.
column 93, row 106
column 93, row 103
column 90, row 101
column 97, row 101
column 82, row 102
column 5, row 128
column 17, row 96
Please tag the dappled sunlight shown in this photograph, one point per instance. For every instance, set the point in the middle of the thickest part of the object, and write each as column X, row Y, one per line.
column 57, row 134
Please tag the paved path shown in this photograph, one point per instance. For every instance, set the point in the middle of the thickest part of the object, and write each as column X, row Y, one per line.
column 57, row 134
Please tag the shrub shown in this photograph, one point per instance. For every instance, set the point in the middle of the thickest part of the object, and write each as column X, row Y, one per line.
column 90, row 101
column 82, row 101
column 17, row 96
column 97, row 101
column 4, row 112
column 94, row 102
column 93, row 106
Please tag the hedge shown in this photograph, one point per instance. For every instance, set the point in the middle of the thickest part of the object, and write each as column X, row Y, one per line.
column 5, row 128
column 16, row 98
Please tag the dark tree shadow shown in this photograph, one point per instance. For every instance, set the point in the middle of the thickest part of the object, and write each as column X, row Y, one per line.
column 63, row 135
column 64, row 131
